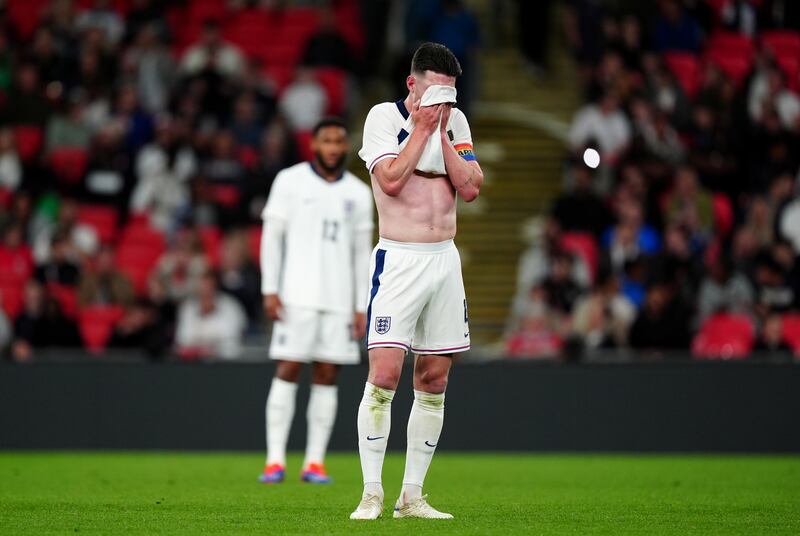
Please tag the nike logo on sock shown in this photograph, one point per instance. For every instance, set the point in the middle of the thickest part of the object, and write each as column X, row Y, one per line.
column 374, row 438
column 430, row 444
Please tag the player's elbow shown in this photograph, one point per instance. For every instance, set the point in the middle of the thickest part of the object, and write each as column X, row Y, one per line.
column 470, row 193
column 392, row 189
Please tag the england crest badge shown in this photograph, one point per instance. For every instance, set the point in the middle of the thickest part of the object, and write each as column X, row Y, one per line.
column 383, row 324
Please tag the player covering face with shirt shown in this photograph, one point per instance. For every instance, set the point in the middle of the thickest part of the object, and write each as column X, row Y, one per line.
column 318, row 225
column 420, row 157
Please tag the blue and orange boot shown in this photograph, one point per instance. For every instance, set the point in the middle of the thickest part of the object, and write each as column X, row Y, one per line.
column 273, row 474
column 315, row 473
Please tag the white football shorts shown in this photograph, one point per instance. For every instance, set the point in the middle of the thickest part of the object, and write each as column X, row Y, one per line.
column 307, row 335
column 417, row 299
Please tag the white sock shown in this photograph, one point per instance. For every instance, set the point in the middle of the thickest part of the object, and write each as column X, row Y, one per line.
column 320, row 416
column 374, row 422
column 279, row 415
column 424, row 427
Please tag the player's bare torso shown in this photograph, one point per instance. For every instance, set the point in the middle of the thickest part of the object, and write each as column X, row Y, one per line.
column 424, row 212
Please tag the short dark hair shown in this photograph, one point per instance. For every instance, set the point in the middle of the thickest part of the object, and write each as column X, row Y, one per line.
column 437, row 58
column 328, row 122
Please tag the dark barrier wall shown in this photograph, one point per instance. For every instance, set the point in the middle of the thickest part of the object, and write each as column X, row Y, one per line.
column 501, row 406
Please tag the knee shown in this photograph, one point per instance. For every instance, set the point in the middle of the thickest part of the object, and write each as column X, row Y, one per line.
column 430, row 381
column 324, row 374
column 289, row 371
column 385, row 378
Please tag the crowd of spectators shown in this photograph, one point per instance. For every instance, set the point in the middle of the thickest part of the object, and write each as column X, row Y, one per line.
column 687, row 236
column 138, row 142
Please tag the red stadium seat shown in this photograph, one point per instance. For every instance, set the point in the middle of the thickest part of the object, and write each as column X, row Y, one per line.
column 731, row 42
column 791, row 331
column 226, row 195
column 67, row 298
column 6, row 197
column 96, row 325
column 334, row 81
column 248, row 156
column 782, row 42
column 69, row 164
column 29, row 142
column 12, row 299
column 724, row 336
column 583, row 245
column 24, row 16
column 211, row 237
column 686, row 69
column 138, row 252
column 303, row 141
column 733, row 64
column 723, row 213
column 16, row 265
column 103, row 219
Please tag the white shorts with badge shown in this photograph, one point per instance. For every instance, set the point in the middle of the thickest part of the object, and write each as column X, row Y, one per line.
column 417, row 300
column 307, row 335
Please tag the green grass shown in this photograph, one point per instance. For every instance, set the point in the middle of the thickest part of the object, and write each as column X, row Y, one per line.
column 169, row 493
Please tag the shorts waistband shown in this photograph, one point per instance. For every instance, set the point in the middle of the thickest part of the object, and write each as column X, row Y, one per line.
column 416, row 247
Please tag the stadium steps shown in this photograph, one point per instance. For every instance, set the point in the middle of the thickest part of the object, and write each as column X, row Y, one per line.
column 523, row 167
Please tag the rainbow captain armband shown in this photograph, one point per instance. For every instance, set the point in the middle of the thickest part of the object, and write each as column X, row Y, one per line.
column 465, row 151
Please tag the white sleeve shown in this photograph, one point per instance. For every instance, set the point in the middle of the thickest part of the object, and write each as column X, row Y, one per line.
column 279, row 203
column 462, row 135
column 380, row 141
column 271, row 254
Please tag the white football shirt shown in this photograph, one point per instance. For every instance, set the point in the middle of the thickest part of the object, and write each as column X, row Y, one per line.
column 385, row 134
column 321, row 220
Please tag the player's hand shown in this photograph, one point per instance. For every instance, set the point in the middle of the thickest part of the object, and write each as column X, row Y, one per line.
column 359, row 326
column 445, row 118
column 426, row 118
column 273, row 306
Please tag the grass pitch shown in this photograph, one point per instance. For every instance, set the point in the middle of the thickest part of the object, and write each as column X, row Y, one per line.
column 168, row 493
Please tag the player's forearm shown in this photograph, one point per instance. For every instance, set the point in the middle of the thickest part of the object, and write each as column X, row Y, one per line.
column 466, row 177
column 393, row 174
column 271, row 255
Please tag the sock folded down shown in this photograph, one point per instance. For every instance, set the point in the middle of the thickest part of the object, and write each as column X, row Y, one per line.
column 432, row 159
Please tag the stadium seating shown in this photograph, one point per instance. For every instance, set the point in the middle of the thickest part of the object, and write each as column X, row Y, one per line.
column 138, row 251
column 686, row 69
column 17, row 265
column 791, row 331
column 29, row 142
column 583, row 245
column 211, row 237
column 254, row 242
column 724, row 336
column 68, row 164
column 67, row 298
column 334, row 81
column 723, row 213
column 96, row 325
column 303, row 141
column 11, row 299
column 103, row 219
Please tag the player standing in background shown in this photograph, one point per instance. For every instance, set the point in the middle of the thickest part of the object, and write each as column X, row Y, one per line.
column 417, row 299
column 318, row 225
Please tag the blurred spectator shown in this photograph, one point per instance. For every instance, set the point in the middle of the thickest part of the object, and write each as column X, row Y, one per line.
column 304, row 101
column 47, row 57
column 276, row 152
column 773, row 292
column 675, row 29
column 537, row 333
column 246, row 125
column 59, row 16
column 102, row 283
column 456, row 28
column 602, row 125
column 25, row 104
column 238, row 274
column 103, row 17
column 327, row 47
column 768, row 92
column 41, row 324
column 108, row 178
column 6, row 333
column 659, row 140
column 630, row 237
column 83, row 239
column 760, row 221
column 141, row 327
column 582, row 209
column 59, row 269
column 145, row 13
column 771, row 342
column 182, row 265
column 163, row 169
column 210, row 323
column 560, row 287
column 213, row 53
column 690, row 206
column 69, row 129
column 790, row 224
column 724, row 290
column 533, row 19
column 661, row 323
column 740, row 16
column 602, row 318
column 134, row 124
column 151, row 65
column 6, row 66
column 15, row 253
column 10, row 165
